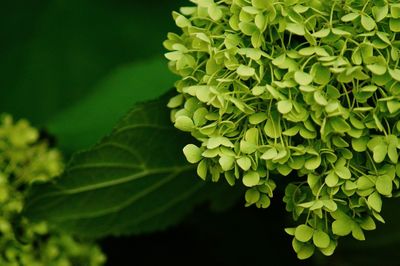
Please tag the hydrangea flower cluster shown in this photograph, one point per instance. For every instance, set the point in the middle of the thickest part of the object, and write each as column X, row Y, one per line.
column 25, row 159
column 308, row 89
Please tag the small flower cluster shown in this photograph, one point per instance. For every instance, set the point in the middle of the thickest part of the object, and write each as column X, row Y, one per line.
column 25, row 159
column 302, row 88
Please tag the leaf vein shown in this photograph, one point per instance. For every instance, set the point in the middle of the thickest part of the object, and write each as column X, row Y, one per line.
column 133, row 152
column 138, row 126
column 104, row 165
column 127, row 202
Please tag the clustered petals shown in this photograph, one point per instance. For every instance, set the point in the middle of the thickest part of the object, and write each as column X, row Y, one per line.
column 25, row 159
column 307, row 89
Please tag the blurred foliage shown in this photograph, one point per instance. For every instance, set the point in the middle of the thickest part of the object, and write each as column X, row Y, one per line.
column 108, row 102
column 54, row 52
column 25, row 159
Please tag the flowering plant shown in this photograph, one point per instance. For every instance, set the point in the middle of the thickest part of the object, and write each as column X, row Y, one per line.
column 304, row 89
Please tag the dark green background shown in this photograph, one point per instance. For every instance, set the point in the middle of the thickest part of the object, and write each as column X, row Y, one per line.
column 74, row 67
column 61, row 59
column 55, row 52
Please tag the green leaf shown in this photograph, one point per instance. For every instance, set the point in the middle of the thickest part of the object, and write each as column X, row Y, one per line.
column 192, row 153
column 357, row 232
column 261, row 4
column 252, row 136
column 273, row 127
column 313, row 163
column 368, row 223
column 321, row 239
column 226, row 162
column 295, row 28
column 364, row 183
column 285, row 106
column 343, row 172
column 245, row 71
column 180, row 20
column 330, row 205
column 229, row 176
column 215, row 12
column 269, row 154
column 330, row 249
column 133, row 181
column 320, row 99
column 340, row 32
column 356, row 57
column 321, row 74
column 290, row 231
column 360, row 144
column 217, row 141
column 291, row 131
column 231, row 41
column 202, row 93
column 350, row 17
column 303, row 233
column 260, row 21
column 367, row 22
column 307, row 51
column 380, row 12
column 377, row 69
column 395, row 10
column 252, row 196
column 384, row 185
column 331, row 179
column 184, row 123
column 251, row 53
column 321, row 33
column 251, row 179
column 303, row 78
column 80, row 126
column 257, row 118
column 257, row 39
column 284, row 62
column 393, row 106
column 258, row 90
column 380, row 152
column 339, row 124
column 305, row 252
column 369, row 88
column 384, row 37
column 375, row 201
column 342, row 227
column 244, row 163
column 248, row 28
column 395, row 74
column 394, row 24
column 312, row 180
column 392, row 153
column 247, row 147
column 202, row 169
column 274, row 92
